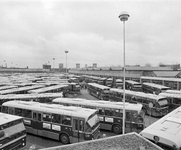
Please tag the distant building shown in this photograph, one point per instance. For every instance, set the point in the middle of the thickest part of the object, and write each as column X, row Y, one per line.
column 77, row 65
column 94, row 65
column 174, row 67
column 45, row 66
column 60, row 66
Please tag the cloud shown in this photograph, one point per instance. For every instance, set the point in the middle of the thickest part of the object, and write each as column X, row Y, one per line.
column 38, row 31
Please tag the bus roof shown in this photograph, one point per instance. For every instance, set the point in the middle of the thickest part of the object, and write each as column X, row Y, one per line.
column 100, row 103
column 156, row 85
column 173, row 91
column 30, row 96
column 132, row 82
column 26, row 88
column 170, row 95
column 135, row 93
column 167, row 129
column 52, row 108
column 161, row 78
column 5, row 118
column 47, row 89
column 7, row 87
column 99, row 86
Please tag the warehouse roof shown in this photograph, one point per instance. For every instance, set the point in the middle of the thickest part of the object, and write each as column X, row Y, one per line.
column 171, row 74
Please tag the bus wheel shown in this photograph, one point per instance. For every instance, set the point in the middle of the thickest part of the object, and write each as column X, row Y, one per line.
column 64, row 138
column 116, row 129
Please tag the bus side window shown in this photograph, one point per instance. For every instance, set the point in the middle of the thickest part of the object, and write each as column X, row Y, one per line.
column 27, row 113
column 46, row 117
column 18, row 111
column 56, row 118
column 118, row 113
column 101, row 111
column 4, row 109
column 66, row 120
column 108, row 112
column 11, row 111
column 128, row 116
column 81, row 125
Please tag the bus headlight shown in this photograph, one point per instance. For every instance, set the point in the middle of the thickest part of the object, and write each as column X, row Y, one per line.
column 23, row 144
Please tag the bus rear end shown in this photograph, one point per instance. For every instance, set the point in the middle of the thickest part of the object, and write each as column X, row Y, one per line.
column 12, row 132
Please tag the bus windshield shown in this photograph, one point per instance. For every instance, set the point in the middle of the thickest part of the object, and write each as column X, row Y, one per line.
column 163, row 102
column 92, row 122
column 106, row 91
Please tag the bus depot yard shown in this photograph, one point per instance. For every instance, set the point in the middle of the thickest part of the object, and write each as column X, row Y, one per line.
column 42, row 87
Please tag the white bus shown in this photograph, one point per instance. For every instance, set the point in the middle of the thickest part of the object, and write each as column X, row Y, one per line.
column 21, row 90
column 166, row 132
column 174, row 100
column 50, row 89
column 12, row 132
column 68, row 124
column 40, row 97
column 154, row 88
column 111, row 113
column 159, row 103
column 133, row 85
column 99, row 91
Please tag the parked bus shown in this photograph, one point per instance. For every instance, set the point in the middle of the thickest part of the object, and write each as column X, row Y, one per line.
column 119, row 83
column 109, row 82
column 166, row 132
column 12, row 132
column 73, row 88
column 21, row 90
column 40, row 97
column 159, row 104
column 99, row 91
column 68, row 124
column 74, row 80
column 50, row 89
column 173, row 83
column 154, row 88
column 133, row 85
column 174, row 100
column 111, row 113
column 7, row 87
column 173, row 91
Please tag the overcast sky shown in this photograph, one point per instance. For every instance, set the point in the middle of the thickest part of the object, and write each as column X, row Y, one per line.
column 32, row 33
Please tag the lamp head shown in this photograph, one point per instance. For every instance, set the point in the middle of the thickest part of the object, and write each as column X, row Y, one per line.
column 124, row 16
column 66, row 51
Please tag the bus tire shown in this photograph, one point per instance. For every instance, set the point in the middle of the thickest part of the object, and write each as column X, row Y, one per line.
column 64, row 138
column 117, row 129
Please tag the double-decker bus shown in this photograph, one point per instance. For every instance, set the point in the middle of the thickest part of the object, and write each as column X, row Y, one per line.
column 159, row 103
column 174, row 100
column 21, row 90
column 154, row 88
column 50, row 89
column 40, row 97
column 68, row 124
column 12, row 132
column 165, row 132
column 173, row 83
column 99, row 91
column 74, row 88
column 109, row 82
column 133, row 85
column 111, row 113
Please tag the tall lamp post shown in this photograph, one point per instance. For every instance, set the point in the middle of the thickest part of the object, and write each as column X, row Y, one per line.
column 66, row 63
column 124, row 17
column 53, row 62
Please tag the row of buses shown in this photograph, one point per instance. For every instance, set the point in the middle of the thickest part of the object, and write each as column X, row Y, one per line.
column 173, row 83
column 155, row 105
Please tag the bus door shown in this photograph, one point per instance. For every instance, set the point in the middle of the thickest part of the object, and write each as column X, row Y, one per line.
column 78, row 128
column 37, row 123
